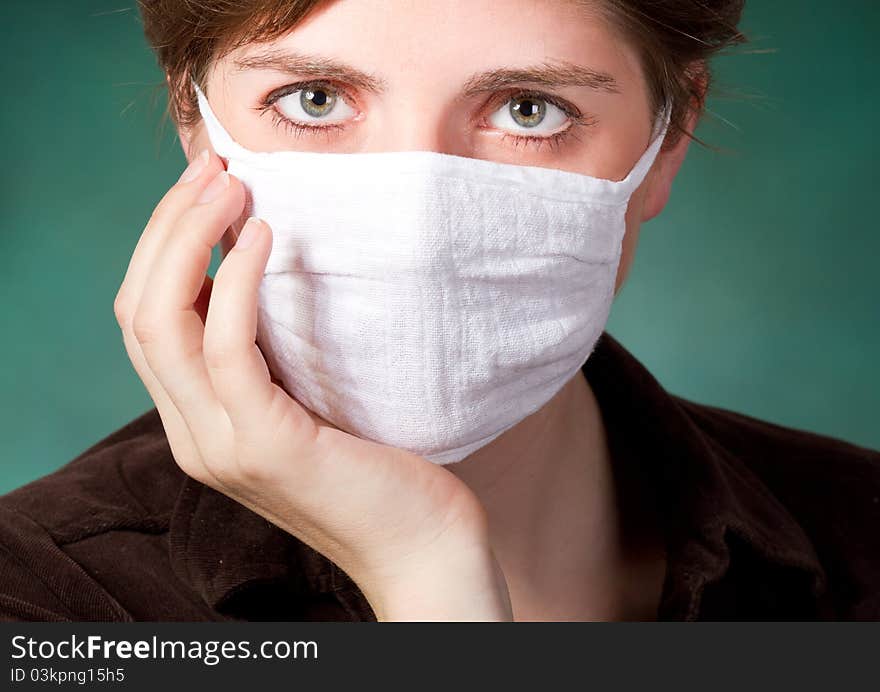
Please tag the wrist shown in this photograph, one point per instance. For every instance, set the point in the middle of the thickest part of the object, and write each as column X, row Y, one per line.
column 466, row 585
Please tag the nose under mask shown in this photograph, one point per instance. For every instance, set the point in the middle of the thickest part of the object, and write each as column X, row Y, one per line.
column 424, row 300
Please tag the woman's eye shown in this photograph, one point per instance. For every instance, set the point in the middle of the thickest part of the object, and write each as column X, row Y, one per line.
column 314, row 104
column 529, row 115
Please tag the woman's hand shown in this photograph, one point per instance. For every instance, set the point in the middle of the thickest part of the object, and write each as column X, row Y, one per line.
column 409, row 533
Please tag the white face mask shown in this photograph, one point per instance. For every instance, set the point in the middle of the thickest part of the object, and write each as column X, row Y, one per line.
column 429, row 301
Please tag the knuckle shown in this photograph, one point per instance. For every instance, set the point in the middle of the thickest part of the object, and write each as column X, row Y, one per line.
column 164, row 208
column 219, row 354
column 170, row 206
column 216, row 358
column 146, row 328
column 157, row 216
column 122, row 310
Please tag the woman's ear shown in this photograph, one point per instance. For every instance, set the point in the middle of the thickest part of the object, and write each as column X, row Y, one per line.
column 669, row 162
column 183, row 135
column 664, row 172
column 193, row 138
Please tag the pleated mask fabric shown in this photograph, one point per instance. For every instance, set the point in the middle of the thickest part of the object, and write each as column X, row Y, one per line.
column 425, row 300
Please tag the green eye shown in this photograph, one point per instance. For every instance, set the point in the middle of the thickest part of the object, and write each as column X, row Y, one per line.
column 314, row 103
column 317, row 102
column 527, row 111
column 532, row 113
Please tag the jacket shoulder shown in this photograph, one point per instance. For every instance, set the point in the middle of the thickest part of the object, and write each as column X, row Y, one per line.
column 40, row 582
column 831, row 487
column 127, row 481
column 792, row 458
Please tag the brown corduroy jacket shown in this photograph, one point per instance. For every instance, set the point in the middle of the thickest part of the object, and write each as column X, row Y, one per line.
column 760, row 521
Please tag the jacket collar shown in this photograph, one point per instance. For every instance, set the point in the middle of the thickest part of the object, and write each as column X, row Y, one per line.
column 704, row 491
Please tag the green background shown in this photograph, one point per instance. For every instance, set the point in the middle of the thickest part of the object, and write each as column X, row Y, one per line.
column 755, row 289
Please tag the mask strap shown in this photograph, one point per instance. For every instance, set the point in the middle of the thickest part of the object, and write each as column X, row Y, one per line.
column 646, row 160
column 222, row 142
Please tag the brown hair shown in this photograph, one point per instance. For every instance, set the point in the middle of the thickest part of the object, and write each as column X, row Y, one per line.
column 676, row 40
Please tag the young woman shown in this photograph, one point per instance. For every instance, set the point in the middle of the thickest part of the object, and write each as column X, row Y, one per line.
column 423, row 418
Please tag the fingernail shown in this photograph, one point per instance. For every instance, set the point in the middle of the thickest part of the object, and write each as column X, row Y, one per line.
column 196, row 166
column 215, row 188
column 248, row 233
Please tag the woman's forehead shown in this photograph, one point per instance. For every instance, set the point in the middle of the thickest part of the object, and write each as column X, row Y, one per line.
column 401, row 39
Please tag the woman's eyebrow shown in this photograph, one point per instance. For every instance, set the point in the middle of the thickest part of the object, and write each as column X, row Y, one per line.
column 310, row 65
column 548, row 74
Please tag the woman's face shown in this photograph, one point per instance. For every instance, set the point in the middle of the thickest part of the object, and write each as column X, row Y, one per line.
column 530, row 82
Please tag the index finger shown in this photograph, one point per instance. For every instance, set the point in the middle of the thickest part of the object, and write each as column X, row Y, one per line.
column 180, row 197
